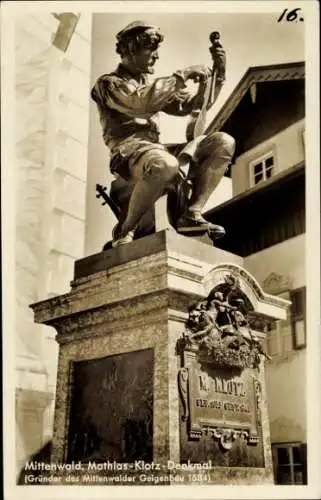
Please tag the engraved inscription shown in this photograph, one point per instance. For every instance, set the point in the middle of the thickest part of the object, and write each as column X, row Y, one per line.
column 220, row 385
column 222, row 403
column 235, row 407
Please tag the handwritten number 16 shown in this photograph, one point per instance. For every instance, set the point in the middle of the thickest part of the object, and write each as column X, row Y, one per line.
column 290, row 16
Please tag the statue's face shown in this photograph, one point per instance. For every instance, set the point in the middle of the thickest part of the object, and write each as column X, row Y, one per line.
column 145, row 59
column 195, row 313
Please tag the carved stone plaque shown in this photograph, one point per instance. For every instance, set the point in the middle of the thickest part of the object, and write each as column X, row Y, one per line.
column 111, row 408
column 220, row 406
column 220, row 399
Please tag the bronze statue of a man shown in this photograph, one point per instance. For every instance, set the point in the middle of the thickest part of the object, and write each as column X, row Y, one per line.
column 128, row 105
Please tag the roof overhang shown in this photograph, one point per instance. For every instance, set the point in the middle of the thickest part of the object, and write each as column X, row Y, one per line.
column 253, row 76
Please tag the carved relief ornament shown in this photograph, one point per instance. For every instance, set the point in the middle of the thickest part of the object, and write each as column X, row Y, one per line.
column 219, row 331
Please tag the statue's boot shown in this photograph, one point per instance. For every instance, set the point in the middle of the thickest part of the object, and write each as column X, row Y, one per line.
column 121, row 240
column 189, row 224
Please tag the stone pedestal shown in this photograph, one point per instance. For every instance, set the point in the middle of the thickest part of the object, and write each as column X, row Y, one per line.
column 120, row 385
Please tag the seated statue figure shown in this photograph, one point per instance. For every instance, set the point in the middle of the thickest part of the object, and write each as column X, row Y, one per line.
column 128, row 105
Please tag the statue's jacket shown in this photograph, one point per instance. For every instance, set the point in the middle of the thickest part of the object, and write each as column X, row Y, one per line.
column 129, row 110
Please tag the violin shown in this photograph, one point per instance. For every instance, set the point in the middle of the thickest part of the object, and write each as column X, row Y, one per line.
column 196, row 125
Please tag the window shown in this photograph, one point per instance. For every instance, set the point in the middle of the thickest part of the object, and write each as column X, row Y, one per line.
column 289, row 463
column 279, row 339
column 289, row 334
column 262, row 168
column 298, row 318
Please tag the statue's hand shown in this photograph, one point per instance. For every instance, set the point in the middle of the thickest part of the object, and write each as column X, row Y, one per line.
column 184, row 95
column 197, row 73
column 219, row 60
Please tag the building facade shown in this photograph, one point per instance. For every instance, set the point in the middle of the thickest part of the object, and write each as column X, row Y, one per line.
column 52, row 70
column 265, row 223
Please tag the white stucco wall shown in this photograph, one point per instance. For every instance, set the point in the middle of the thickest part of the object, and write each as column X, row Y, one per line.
column 286, row 258
column 222, row 193
column 51, row 133
column 287, row 146
column 286, row 389
column 286, row 375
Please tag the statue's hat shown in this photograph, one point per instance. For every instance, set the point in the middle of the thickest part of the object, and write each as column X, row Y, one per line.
column 136, row 27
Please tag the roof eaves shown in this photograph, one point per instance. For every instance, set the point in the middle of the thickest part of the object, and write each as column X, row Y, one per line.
column 255, row 74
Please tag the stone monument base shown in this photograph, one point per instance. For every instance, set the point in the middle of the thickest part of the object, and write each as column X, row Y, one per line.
column 135, row 404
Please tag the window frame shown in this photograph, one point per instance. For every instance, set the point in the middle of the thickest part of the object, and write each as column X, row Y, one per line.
column 295, row 317
column 279, row 333
column 292, row 321
column 292, row 464
column 262, row 159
